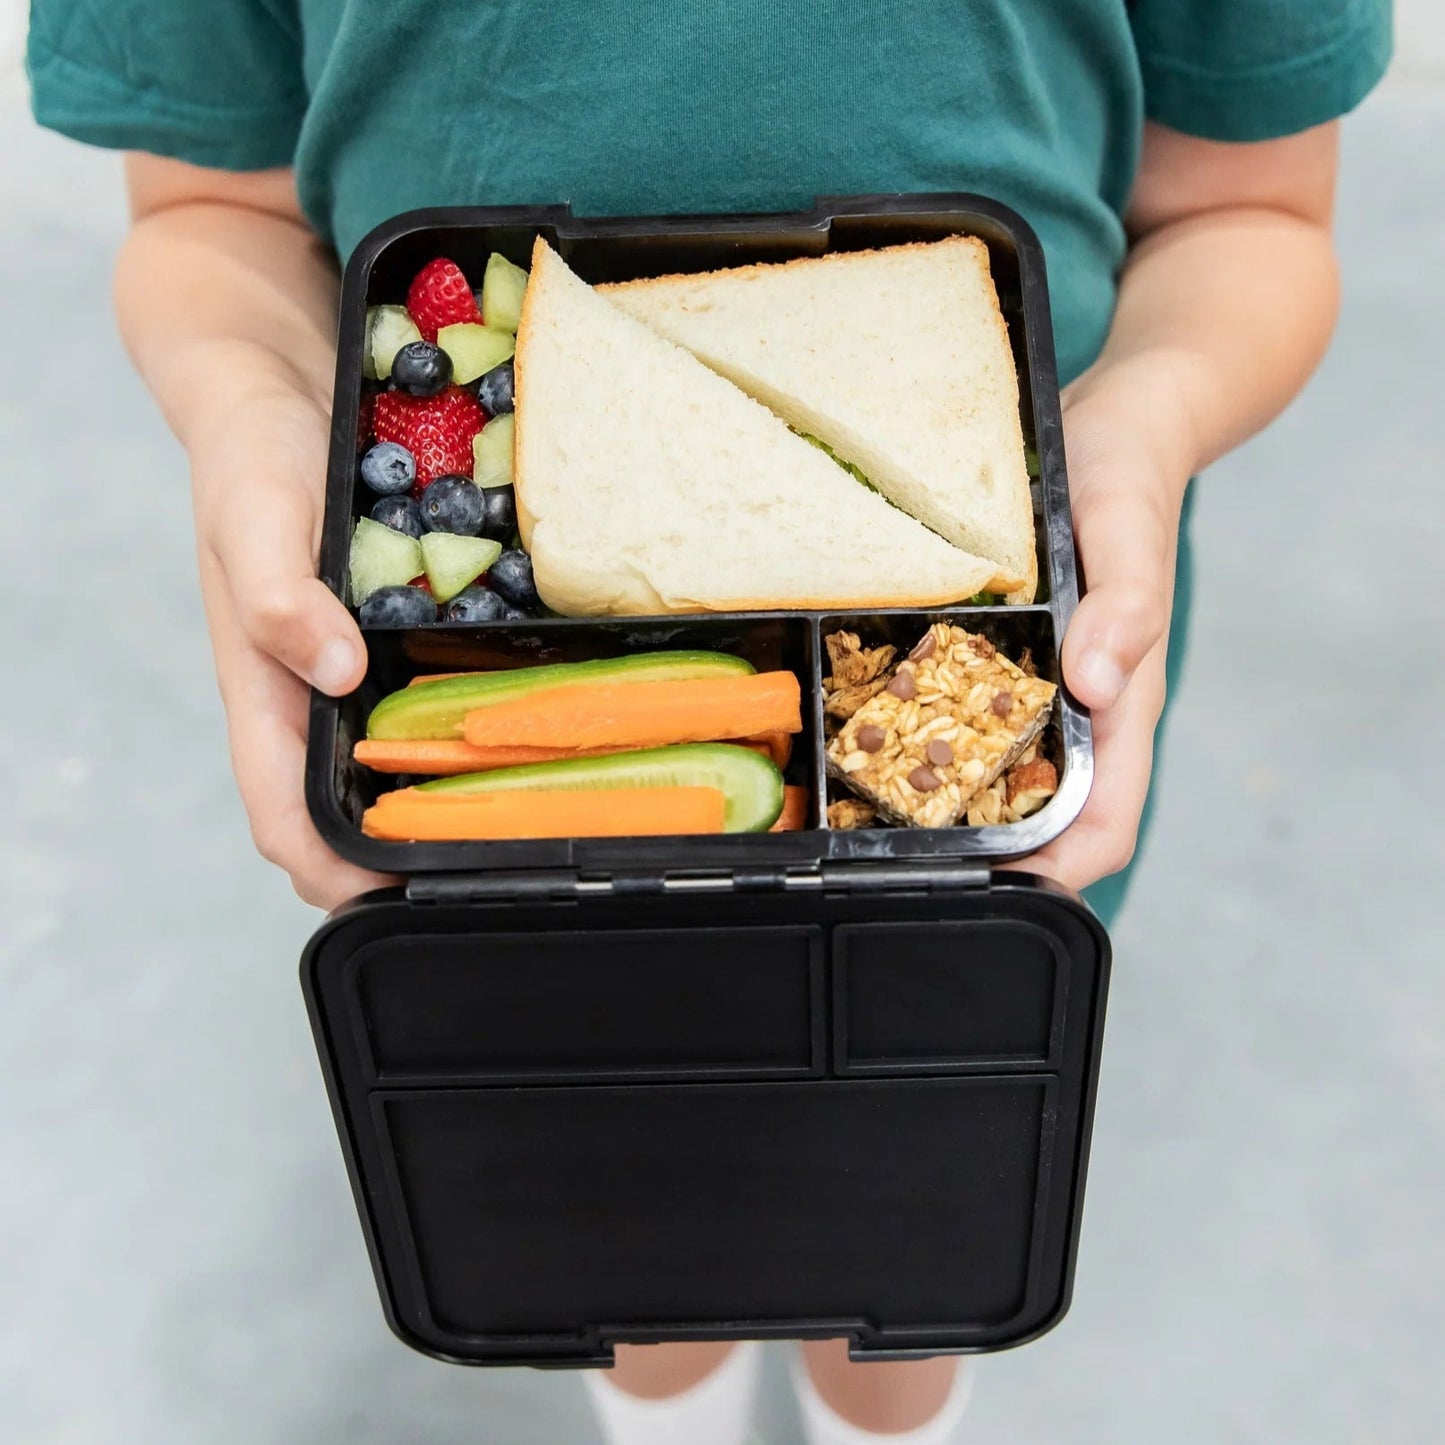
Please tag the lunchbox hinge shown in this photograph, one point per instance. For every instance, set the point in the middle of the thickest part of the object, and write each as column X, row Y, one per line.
column 904, row 877
column 529, row 887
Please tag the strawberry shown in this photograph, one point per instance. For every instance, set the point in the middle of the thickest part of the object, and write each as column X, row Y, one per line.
column 440, row 297
column 436, row 430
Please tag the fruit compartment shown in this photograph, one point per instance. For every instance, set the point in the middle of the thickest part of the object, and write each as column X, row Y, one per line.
column 395, row 657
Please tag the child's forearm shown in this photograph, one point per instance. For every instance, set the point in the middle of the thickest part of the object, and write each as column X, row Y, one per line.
column 1222, row 315
column 221, row 302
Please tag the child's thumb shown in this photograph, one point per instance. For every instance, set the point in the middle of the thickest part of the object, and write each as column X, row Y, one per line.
column 1126, row 547
column 285, row 610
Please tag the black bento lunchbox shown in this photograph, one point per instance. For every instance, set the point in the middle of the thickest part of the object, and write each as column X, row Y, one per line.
column 796, row 1084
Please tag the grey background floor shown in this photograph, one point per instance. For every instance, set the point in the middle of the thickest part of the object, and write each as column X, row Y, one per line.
column 1262, row 1253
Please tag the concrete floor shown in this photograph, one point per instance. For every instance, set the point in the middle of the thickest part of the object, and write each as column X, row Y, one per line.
column 1262, row 1253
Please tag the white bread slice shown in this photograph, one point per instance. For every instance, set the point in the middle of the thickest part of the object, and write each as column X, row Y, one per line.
column 646, row 483
column 898, row 359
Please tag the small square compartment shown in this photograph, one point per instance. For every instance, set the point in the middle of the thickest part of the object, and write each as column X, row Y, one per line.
column 1014, row 631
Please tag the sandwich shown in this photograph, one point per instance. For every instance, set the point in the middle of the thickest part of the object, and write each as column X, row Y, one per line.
column 897, row 360
column 648, row 483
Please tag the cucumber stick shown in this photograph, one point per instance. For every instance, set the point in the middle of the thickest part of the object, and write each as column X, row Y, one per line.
column 751, row 785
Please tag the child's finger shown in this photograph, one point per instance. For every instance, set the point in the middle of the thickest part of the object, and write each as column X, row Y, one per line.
column 1101, row 840
column 1126, row 547
column 265, row 552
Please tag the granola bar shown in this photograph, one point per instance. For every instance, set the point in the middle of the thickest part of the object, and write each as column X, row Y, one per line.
column 955, row 716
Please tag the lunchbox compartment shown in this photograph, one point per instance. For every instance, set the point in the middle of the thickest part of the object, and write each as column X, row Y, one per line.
column 611, row 250
column 1015, row 632
column 770, row 642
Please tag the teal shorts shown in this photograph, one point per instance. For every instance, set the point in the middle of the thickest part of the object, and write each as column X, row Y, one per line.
column 1107, row 896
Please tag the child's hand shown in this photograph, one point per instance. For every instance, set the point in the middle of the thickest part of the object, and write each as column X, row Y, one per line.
column 259, row 480
column 227, row 301
column 1127, row 472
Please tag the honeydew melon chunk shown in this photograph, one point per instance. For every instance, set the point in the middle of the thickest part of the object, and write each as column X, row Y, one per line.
column 474, row 349
column 503, row 287
column 492, row 452
column 453, row 563
column 388, row 329
column 380, row 557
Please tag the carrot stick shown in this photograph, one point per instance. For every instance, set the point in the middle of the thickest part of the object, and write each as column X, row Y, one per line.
column 410, row 815
column 420, row 755
column 794, row 817
column 641, row 714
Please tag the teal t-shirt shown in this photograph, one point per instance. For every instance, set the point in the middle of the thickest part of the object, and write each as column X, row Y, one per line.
column 650, row 106
column 654, row 106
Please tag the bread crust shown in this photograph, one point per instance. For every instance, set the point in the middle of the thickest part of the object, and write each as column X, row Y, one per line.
column 526, row 522
column 827, row 258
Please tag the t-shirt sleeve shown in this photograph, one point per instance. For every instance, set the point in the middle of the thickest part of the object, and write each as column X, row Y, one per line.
column 215, row 82
column 1247, row 70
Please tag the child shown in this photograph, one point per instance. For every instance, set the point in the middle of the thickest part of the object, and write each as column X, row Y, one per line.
column 1177, row 158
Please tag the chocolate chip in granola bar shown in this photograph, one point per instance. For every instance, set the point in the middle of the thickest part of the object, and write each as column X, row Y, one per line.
column 927, row 646
column 870, row 738
column 903, row 686
column 1002, row 703
column 940, row 754
column 924, row 780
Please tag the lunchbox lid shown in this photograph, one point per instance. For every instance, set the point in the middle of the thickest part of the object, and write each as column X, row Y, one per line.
column 577, row 1113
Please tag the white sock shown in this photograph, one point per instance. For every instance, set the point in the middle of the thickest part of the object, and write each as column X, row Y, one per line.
column 822, row 1425
column 716, row 1411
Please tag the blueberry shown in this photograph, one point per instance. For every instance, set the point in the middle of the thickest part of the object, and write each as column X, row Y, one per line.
column 511, row 575
column 453, row 504
column 388, row 468
column 398, row 607
column 494, row 390
column 516, row 614
column 499, row 514
column 401, row 514
column 421, row 369
column 476, row 604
